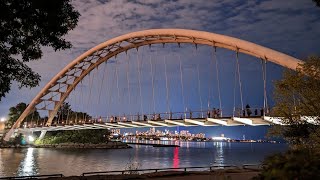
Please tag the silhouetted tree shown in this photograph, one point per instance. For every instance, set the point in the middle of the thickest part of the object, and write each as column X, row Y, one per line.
column 26, row 25
column 67, row 115
column 64, row 111
column 317, row 2
column 297, row 98
column 16, row 111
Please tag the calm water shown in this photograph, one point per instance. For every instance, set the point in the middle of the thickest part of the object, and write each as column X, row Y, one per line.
column 31, row 161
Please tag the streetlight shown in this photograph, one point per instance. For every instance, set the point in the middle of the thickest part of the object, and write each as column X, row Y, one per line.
column 3, row 119
column 30, row 138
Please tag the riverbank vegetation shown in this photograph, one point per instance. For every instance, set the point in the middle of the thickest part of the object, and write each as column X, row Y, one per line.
column 93, row 136
column 297, row 102
column 65, row 115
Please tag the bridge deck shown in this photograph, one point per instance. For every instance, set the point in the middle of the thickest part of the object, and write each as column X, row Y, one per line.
column 224, row 121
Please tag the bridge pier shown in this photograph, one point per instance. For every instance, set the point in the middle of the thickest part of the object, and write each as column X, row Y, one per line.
column 43, row 133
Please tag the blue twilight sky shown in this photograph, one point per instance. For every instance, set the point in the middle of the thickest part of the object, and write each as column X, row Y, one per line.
column 291, row 27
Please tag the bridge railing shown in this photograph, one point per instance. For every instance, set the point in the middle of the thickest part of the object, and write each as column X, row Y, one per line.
column 144, row 171
column 208, row 113
column 158, row 116
column 34, row 176
column 181, row 169
column 155, row 170
column 251, row 112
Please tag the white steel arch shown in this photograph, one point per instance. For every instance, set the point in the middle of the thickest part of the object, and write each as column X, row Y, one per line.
column 62, row 84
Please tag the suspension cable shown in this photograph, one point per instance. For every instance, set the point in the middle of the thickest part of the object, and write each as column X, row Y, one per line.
column 199, row 89
column 218, row 81
column 239, row 78
column 152, row 81
column 210, row 82
column 81, row 100
column 234, row 90
column 75, row 106
column 265, row 79
column 167, row 85
column 139, row 78
column 111, row 89
column 102, row 81
column 264, row 62
column 128, row 83
column 90, row 86
column 118, row 90
column 181, row 78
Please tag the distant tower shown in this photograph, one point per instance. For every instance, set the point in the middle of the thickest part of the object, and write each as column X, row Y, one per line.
column 222, row 135
column 244, row 137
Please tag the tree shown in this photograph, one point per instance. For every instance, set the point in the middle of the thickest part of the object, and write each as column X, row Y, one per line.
column 317, row 2
column 294, row 164
column 64, row 111
column 67, row 115
column 16, row 111
column 26, row 25
column 297, row 98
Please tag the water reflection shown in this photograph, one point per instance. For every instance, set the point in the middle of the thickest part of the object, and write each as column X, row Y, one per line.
column 176, row 157
column 76, row 161
column 219, row 156
column 28, row 166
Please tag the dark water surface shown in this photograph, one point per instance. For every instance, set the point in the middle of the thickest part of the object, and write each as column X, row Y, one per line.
column 32, row 161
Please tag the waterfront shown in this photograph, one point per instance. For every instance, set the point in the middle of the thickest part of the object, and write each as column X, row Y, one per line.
column 31, row 161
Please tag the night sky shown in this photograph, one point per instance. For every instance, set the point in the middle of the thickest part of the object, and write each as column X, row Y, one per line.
column 291, row 27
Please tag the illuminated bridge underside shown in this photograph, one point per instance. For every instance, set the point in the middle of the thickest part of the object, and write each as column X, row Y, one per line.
column 227, row 121
column 250, row 121
column 52, row 96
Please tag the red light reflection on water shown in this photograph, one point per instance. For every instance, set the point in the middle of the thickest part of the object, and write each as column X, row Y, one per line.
column 176, row 157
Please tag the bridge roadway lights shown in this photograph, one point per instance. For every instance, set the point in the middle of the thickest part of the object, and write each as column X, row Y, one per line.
column 243, row 120
column 274, row 120
column 175, row 122
column 311, row 119
column 235, row 121
column 258, row 121
column 196, row 122
column 218, row 121
column 142, row 124
column 115, row 125
column 103, row 125
column 160, row 123
column 128, row 124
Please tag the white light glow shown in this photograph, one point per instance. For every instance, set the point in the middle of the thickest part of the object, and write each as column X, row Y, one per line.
column 3, row 119
column 220, row 138
column 30, row 138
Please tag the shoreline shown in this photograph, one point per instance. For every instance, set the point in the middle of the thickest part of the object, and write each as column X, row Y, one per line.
column 235, row 173
column 154, row 145
column 108, row 145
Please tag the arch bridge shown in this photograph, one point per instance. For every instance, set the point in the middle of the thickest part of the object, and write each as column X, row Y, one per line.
column 53, row 95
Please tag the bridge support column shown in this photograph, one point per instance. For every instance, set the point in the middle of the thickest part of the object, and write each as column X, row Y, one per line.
column 9, row 135
column 43, row 133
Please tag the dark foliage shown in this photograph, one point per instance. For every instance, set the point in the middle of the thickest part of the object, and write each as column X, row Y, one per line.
column 297, row 102
column 26, row 25
column 93, row 136
column 16, row 111
column 294, row 164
